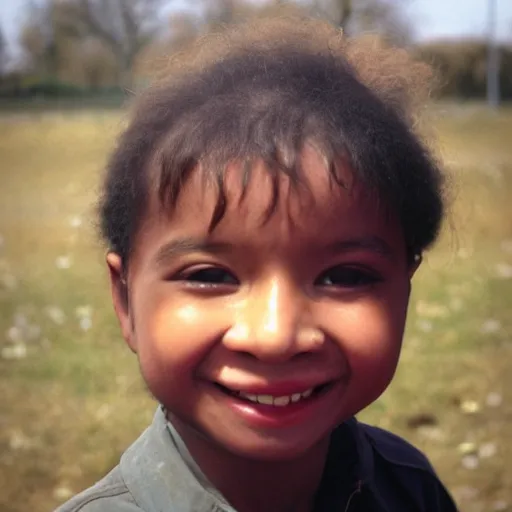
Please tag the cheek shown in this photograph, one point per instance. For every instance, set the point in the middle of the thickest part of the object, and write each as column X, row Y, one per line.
column 369, row 333
column 173, row 336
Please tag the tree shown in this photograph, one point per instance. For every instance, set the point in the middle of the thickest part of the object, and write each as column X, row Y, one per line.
column 40, row 38
column 344, row 17
column 385, row 17
column 3, row 52
column 123, row 27
column 220, row 12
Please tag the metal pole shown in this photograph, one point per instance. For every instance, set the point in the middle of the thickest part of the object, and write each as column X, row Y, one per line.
column 493, row 58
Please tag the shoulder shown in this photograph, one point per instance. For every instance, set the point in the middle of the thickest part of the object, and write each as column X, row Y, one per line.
column 401, row 470
column 396, row 450
column 108, row 495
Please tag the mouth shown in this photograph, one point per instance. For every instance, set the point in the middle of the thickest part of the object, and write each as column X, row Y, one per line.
column 281, row 405
column 278, row 400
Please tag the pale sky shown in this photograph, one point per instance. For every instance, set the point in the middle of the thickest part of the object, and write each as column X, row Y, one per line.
column 431, row 18
column 455, row 18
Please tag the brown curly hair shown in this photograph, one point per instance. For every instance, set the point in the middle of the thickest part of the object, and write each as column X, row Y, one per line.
column 260, row 90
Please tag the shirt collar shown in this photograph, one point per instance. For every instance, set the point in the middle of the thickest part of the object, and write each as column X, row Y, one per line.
column 161, row 475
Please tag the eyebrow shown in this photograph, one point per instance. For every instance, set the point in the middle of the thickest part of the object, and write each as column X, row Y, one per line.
column 182, row 246
column 367, row 243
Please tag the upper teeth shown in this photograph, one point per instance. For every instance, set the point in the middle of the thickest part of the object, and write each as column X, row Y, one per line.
column 279, row 401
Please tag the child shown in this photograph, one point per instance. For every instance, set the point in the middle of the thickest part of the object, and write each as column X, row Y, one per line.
column 265, row 212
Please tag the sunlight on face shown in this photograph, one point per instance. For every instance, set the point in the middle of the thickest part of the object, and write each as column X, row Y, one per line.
column 263, row 336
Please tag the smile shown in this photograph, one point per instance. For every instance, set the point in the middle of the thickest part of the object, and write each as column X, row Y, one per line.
column 277, row 400
column 281, row 406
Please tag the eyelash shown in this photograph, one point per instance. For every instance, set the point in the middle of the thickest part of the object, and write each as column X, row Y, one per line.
column 362, row 277
column 191, row 277
column 345, row 277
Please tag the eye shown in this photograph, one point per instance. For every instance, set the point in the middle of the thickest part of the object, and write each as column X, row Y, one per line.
column 347, row 277
column 209, row 276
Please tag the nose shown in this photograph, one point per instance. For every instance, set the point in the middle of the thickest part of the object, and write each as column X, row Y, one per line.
column 273, row 324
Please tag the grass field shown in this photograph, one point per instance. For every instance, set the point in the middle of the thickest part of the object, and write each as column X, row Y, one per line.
column 70, row 396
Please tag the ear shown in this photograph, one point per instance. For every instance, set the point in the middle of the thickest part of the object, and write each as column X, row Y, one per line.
column 120, row 298
column 414, row 265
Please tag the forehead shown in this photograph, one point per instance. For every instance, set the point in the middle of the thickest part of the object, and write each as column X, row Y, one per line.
column 315, row 204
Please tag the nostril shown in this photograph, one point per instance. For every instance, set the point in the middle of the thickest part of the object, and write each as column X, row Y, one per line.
column 246, row 354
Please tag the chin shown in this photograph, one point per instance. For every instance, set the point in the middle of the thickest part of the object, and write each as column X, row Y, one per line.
column 262, row 448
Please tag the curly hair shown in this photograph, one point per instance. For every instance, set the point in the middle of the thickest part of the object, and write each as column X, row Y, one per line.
column 260, row 91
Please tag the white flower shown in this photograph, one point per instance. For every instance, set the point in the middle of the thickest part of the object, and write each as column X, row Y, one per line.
column 63, row 262
column 16, row 351
column 432, row 433
column 465, row 493
column 19, row 441
column 14, row 334
column 470, row 407
column 431, row 310
column 467, row 448
column 494, row 399
column 487, row 450
column 56, row 314
column 103, row 412
column 470, row 462
column 504, row 270
column 425, row 325
column 490, row 326
column 62, row 493
column 85, row 323
column 83, row 311
column 75, row 221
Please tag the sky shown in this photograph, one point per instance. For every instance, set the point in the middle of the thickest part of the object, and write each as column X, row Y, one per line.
column 432, row 19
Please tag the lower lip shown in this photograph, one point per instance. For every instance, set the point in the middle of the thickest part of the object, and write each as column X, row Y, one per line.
column 271, row 416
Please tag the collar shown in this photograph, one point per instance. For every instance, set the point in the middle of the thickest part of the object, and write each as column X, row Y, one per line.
column 158, row 477
column 160, row 473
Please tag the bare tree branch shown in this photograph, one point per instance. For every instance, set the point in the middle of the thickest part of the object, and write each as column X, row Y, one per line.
column 93, row 25
column 385, row 17
column 125, row 26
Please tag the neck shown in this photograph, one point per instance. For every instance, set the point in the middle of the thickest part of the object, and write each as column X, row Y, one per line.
column 253, row 485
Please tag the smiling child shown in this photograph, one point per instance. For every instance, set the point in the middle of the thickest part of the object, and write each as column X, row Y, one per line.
column 265, row 212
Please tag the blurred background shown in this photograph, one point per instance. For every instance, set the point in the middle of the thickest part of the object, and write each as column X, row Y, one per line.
column 71, row 399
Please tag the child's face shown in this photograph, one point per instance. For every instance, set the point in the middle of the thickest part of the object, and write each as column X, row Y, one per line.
column 316, row 297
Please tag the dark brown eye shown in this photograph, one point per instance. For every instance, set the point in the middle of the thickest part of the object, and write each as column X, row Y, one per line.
column 347, row 277
column 211, row 276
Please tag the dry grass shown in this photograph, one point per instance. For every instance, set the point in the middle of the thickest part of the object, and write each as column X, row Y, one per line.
column 70, row 395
